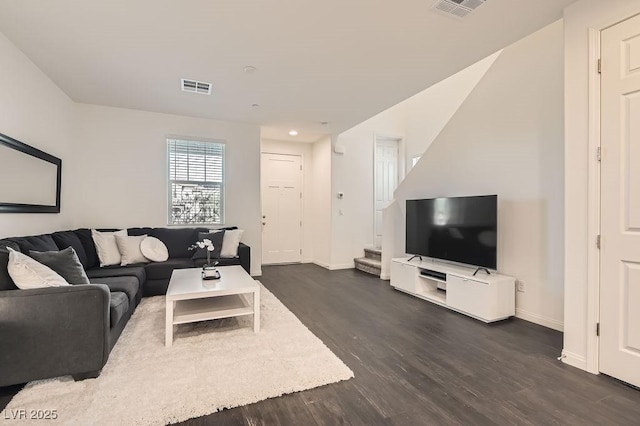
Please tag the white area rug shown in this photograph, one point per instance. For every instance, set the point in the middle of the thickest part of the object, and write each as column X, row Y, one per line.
column 211, row 366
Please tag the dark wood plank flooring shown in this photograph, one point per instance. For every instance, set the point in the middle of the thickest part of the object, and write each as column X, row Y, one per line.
column 416, row 363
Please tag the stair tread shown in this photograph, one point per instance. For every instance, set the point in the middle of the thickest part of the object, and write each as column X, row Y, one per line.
column 368, row 261
column 373, row 250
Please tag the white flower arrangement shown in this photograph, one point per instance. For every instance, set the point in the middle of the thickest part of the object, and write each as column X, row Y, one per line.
column 208, row 245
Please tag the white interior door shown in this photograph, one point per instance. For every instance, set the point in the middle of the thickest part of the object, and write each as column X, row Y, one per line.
column 620, row 211
column 385, row 180
column 281, row 208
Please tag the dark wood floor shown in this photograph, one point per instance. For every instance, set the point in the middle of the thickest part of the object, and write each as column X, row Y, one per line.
column 419, row 364
column 416, row 363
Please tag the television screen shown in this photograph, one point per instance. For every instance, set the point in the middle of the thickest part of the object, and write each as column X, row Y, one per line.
column 457, row 229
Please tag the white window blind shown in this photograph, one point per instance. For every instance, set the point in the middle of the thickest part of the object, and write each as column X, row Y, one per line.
column 196, row 182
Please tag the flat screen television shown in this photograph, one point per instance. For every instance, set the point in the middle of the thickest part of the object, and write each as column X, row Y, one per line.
column 456, row 229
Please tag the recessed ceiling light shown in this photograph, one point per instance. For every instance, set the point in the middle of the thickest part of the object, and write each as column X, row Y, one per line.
column 250, row 69
column 324, row 123
column 255, row 105
column 293, row 133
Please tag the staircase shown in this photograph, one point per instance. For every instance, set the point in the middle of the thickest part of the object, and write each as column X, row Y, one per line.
column 371, row 262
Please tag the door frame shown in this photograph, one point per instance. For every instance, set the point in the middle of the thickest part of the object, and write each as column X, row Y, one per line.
column 593, row 200
column 593, row 197
column 301, row 198
column 399, row 139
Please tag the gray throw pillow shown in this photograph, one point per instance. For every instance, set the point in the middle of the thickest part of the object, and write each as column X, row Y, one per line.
column 216, row 239
column 64, row 262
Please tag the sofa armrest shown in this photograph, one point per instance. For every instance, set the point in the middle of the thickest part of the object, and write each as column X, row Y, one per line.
column 53, row 331
column 244, row 253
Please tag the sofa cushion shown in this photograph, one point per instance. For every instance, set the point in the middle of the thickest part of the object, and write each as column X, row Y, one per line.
column 35, row 243
column 64, row 262
column 118, row 306
column 6, row 283
column 118, row 271
column 64, row 239
column 84, row 235
column 162, row 270
column 126, row 285
column 139, row 231
column 178, row 240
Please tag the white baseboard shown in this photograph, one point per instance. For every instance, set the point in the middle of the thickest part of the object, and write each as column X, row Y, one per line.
column 334, row 267
column 342, row 266
column 574, row 360
column 319, row 263
column 540, row 320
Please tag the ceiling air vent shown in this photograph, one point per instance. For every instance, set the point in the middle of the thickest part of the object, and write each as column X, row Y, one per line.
column 457, row 8
column 196, row 86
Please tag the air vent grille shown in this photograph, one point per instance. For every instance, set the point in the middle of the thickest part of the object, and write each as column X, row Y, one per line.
column 457, row 8
column 194, row 86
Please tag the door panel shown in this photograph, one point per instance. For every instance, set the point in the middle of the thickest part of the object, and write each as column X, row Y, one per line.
column 281, row 208
column 620, row 210
column 386, row 180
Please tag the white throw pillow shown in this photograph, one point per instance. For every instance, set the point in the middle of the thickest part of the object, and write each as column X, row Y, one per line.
column 28, row 273
column 129, row 248
column 154, row 249
column 230, row 243
column 107, row 247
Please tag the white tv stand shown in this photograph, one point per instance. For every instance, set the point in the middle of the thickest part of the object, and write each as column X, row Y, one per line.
column 485, row 297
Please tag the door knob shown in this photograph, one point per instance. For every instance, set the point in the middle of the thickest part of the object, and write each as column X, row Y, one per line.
column 264, row 223
column 264, row 217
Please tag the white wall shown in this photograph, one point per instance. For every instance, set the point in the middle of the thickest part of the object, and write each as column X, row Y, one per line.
column 321, row 201
column 507, row 139
column 304, row 150
column 352, row 174
column 579, row 18
column 123, row 160
column 35, row 111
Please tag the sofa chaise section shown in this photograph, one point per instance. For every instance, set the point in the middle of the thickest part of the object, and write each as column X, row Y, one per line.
column 53, row 331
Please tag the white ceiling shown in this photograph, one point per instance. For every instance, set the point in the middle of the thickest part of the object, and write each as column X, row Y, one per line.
column 336, row 61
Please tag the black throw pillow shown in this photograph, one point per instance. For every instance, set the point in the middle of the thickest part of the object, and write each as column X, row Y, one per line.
column 216, row 239
column 6, row 283
column 64, row 262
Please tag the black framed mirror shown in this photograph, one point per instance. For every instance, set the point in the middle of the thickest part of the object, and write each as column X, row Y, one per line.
column 30, row 179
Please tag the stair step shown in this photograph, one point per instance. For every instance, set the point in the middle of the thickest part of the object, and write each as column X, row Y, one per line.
column 368, row 265
column 373, row 253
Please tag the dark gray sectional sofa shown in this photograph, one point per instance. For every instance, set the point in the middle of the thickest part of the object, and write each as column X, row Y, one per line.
column 70, row 330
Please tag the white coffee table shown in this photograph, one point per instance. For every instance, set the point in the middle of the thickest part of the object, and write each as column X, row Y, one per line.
column 192, row 299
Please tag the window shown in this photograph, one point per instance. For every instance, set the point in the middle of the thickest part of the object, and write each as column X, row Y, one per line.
column 196, row 182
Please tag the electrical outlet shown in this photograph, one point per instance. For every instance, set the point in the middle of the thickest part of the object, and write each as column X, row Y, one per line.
column 520, row 286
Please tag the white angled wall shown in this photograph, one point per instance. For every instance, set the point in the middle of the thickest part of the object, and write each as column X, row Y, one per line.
column 430, row 110
column 507, row 139
column 122, row 157
column 35, row 111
